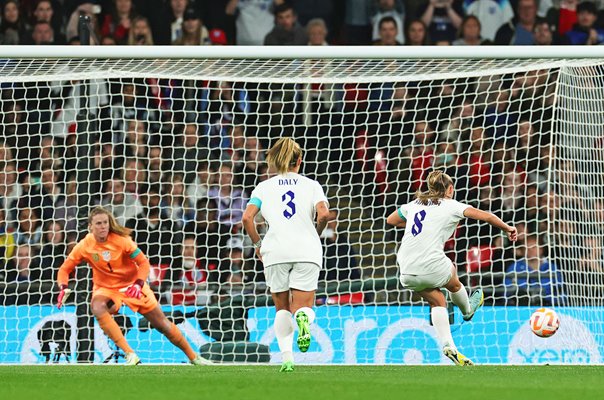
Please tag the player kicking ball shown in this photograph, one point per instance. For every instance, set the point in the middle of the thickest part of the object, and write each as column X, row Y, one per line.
column 291, row 251
column 119, row 272
column 429, row 221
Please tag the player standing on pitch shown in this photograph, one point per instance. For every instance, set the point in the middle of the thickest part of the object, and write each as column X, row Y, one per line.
column 291, row 250
column 119, row 272
column 424, row 268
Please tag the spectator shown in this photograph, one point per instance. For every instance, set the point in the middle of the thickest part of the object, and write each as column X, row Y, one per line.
column 254, row 19
column 389, row 8
column 44, row 12
column 91, row 11
column 187, row 153
column 519, row 30
column 542, row 34
column 174, row 205
column 287, row 30
column 215, row 17
column 51, row 190
column 194, row 33
column 585, row 32
column 10, row 192
column 443, row 19
column 192, row 273
column 564, row 18
column 158, row 238
column 123, row 205
column 206, row 230
column 491, row 13
column 135, row 177
column 43, row 34
column 357, row 22
column 177, row 10
column 28, row 267
column 534, row 275
column 470, row 32
column 317, row 32
column 340, row 258
column 198, row 189
column 140, row 32
column 388, row 31
column 12, row 28
column 53, row 250
column 109, row 41
column 29, row 230
column 417, row 33
column 229, row 200
column 117, row 24
column 66, row 98
column 7, row 247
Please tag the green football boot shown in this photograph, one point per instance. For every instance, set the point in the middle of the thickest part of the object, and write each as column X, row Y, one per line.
column 303, row 331
column 287, row 366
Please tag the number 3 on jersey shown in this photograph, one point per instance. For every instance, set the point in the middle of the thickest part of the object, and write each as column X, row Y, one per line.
column 418, row 225
column 288, row 199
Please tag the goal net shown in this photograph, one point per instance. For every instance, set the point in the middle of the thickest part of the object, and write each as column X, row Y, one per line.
column 174, row 146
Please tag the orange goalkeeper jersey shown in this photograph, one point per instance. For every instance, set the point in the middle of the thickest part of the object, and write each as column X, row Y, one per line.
column 116, row 263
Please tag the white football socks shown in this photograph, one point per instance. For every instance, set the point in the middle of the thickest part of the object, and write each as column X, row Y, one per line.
column 461, row 300
column 284, row 331
column 310, row 313
column 440, row 321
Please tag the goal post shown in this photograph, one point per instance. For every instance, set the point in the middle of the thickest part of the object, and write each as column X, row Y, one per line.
column 179, row 141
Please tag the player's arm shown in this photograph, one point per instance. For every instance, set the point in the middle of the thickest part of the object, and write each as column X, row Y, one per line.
column 322, row 216
column 397, row 219
column 249, row 224
column 492, row 219
column 142, row 262
column 71, row 262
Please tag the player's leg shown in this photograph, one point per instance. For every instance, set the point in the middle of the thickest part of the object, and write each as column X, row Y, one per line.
column 158, row 320
column 459, row 296
column 304, row 279
column 102, row 307
column 284, row 329
column 440, row 320
column 277, row 279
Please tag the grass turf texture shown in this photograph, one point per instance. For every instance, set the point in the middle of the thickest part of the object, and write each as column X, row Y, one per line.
column 307, row 382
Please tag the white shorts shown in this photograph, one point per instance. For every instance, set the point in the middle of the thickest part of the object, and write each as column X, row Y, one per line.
column 435, row 280
column 300, row 275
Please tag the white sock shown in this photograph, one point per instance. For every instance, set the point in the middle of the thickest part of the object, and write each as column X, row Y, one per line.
column 310, row 313
column 461, row 300
column 440, row 320
column 284, row 331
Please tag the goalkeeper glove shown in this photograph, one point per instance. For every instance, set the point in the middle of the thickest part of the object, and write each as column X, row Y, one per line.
column 63, row 296
column 136, row 289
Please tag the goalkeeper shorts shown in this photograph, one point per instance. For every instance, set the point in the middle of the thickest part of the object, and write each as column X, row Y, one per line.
column 145, row 304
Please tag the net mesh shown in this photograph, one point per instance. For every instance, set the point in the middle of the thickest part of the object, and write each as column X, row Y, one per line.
column 174, row 147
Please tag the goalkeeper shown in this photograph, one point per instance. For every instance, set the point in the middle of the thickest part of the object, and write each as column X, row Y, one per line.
column 119, row 271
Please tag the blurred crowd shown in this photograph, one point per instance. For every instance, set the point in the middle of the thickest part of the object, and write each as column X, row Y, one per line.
column 176, row 160
column 305, row 22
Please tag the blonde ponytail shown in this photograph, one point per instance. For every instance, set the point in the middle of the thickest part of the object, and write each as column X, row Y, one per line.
column 438, row 183
column 284, row 155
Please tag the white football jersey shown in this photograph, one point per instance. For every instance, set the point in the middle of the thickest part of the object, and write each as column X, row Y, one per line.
column 287, row 203
column 427, row 229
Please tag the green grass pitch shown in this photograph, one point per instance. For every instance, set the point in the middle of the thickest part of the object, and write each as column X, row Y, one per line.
column 307, row 382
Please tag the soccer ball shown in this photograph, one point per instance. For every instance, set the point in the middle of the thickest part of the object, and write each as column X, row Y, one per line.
column 544, row 322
